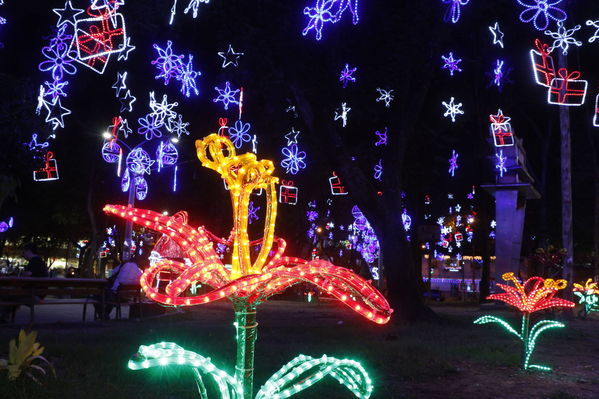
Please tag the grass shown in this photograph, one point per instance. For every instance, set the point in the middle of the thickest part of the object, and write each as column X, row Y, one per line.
column 448, row 359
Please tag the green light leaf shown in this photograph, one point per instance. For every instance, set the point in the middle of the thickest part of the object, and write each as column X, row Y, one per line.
column 532, row 340
column 305, row 371
column 171, row 354
column 492, row 319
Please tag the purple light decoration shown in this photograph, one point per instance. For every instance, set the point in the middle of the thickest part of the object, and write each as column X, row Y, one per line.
column 541, row 12
column 453, row 163
column 454, row 11
column 59, row 55
column 500, row 163
column 150, row 126
column 139, row 162
column 168, row 64
column 239, row 134
column 362, row 235
column 498, row 73
column 378, row 170
column 6, row 224
column 382, row 138
column 294, row 159
column 406, row 220
column 141, row 188
column 175, row 178
column 253, row 212
column 226, row 95
column 188, row 78
column 111, row 151
column 34, row 145
column 451, row 63
column 347, row 75
column 328, row 11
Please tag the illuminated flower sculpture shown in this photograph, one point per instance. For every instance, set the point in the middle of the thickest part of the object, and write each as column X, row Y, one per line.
column 534, row 295
column 589, row 297
column 254, row 277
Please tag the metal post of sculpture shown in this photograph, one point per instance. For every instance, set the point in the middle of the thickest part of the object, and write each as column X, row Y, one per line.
column 253, row 278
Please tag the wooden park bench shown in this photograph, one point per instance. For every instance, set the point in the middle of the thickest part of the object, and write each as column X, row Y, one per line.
column 27, row 291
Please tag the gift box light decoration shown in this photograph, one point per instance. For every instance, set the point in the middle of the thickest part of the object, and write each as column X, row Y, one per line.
column 288, row 192
column 336, row 187
column 596, row 112
column 254, row 276
column 588, row 295
column 49, row 171
column 534, row 295
column 543, row 66
column 567, row 89
column 501, row 130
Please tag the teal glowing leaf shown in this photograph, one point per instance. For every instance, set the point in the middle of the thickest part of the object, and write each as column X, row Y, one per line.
column 493, row 319
column 305, row 371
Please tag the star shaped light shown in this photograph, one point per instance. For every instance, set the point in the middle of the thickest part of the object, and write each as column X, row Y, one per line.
column 230, row 57
column 452, row 109
column 291, row 137
column 120, row 83
column 124, row 128
column 126, row 48
column 67, row 14
column 127, row 102
column 56, row 113
column 497, row 34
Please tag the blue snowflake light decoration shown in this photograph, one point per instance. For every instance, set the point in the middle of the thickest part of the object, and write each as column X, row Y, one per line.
column 294, row 159
column 169, row 65
column 500, row 163
column 253, row 212
column 541, row 12
column 188, row 78
column 55, row 89
column 239, row 133
column 451, row 64
column 325, row 11
column 347, row 75
column 226, row 95
column 498, row 73
column 453, row 163
column 378, row 170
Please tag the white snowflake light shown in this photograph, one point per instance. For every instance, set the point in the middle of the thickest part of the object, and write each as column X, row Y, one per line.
column 386, row 96
column 563, row 38
column 452, row 109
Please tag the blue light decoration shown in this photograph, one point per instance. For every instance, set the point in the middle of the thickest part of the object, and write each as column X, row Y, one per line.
column 382, row 138
column 171, row 65
column 163, row 110
column 291, row 137
column 452, row 109
column 139, row 161
column 8, row 223
column 500, row 163
column 253, row 212
column 451, row 64
column 111, row 151
column 126, row 181
column 238, row 133
column 141, row 187
column 386, row 96
column 378, row 170
column 347, row 75
column 166, row 154
column 68, row 14
column 454, row 10
column 56, row 113
column 193, row 6
column 178, row 127
column 226, row 95
column 120, row 83
column 594, row 24
column 406, row 220
column 230, row 57
column 58, row 57
column 498, row 73
column 149, row 126
column 497, row 34
column 325, row 11
column 361, row 235
column 124, row 128
column 294, row 159
column 453, row 163
column 127, row 102
column 125, row 50
column 341, row 113
column 34, row 146
column 541, row 12
column 55, row 89
column 188, row 78
column 563, row 38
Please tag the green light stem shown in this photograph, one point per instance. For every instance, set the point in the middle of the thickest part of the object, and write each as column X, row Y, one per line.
column 524, row 334
column 247, row 329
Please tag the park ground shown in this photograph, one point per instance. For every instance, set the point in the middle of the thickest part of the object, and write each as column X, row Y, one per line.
column 450, row 358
